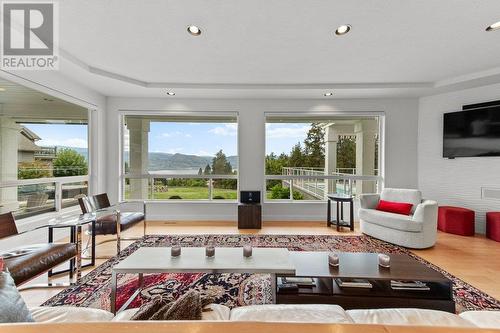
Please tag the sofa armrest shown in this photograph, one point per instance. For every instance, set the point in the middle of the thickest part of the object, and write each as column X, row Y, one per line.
column 426, row 211
column 369, row 201
column 68, row 314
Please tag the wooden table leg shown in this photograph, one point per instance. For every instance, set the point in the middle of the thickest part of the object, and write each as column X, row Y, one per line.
column 273, row 288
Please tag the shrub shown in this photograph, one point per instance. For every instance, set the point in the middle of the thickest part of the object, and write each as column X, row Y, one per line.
column 280, row 192
column 33, row 170
column 175, row 197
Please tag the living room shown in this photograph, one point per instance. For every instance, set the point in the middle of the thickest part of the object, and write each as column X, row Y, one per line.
column 303, row 166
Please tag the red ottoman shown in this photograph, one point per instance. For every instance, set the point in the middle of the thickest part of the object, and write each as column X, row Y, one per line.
column 493, row 225
column 456, row 220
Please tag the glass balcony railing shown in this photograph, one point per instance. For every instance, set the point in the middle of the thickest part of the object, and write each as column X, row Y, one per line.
column 181, row 187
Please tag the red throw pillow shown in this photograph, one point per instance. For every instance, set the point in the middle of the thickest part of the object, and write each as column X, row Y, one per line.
column 395, row 207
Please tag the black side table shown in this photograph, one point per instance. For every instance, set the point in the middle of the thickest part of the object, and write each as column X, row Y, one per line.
column 340, row 199
column 75, row 225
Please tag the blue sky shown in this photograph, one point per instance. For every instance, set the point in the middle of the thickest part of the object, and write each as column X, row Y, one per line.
column 60, row 134
column 185, row 138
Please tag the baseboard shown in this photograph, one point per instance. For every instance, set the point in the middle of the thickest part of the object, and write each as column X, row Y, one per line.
column 229, row 217
column 293, row 218
column 186, row 217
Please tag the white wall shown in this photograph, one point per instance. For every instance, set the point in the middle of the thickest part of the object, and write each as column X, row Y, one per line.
column 400, row 148
column 455, row 181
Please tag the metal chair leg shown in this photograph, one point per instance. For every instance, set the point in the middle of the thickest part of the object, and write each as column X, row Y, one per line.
column 46, row 286
column 118, row 232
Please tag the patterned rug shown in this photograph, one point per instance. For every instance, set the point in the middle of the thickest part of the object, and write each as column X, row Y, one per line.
column 234, row 290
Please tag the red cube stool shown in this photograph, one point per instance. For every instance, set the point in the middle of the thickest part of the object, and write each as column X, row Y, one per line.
column 456, row 220
column 493, row 226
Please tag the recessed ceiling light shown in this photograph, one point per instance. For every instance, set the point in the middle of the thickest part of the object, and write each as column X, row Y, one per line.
column 194, row 30
column 343, row 29
column 170, row 93
column 494, row 26
column 328, row 94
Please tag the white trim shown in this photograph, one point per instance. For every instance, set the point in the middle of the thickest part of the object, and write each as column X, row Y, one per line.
column 349, row 177
column 193, row 217
column 176, row 175
column 60, row 180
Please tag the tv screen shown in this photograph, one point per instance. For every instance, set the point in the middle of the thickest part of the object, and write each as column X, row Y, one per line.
column 472, row 133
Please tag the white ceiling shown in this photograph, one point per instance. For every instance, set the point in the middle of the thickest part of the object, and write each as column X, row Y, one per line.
column 20, row 102
column 277, row 48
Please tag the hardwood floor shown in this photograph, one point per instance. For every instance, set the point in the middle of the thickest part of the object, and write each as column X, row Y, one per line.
column 475, row 260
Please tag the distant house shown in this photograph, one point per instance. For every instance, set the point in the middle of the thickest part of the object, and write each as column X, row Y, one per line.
column 28, row 151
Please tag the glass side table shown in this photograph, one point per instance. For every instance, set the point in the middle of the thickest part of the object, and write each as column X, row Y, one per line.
column 75, row 224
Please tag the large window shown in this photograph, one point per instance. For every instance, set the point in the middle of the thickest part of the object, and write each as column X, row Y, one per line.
column 180, row 157
column 44, row 158
column 309, row 157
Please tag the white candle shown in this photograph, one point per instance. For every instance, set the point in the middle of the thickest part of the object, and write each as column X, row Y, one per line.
column 175, row 250
column 384, row 260
column 333, row 259
column 247, row 250
column 210, row 250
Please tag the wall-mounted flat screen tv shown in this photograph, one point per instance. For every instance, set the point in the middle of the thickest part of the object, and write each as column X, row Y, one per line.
column 472, row 133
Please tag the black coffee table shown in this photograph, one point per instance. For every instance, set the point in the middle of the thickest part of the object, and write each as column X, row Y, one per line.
column 365, row 266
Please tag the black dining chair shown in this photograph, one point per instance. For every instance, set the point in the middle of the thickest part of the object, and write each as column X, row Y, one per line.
column 109, row 221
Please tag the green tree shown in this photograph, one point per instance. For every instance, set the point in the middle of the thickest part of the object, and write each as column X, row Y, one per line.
column 346, row 152
column 208, row 170
column 297, row 157
column 69, row 163
column 314, row 146
column 200, row 171
column 220, row 164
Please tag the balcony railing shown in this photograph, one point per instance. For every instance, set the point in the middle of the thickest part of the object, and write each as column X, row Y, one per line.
column 182, row 187
column 29, row 197
column 46, row 153
column 315, row 183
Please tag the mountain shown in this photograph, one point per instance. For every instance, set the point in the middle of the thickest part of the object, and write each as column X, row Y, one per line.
column 166, row 161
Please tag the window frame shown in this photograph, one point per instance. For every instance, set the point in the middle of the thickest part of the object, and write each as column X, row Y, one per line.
column 59, row 182
column 350, row 178
column 151, row 176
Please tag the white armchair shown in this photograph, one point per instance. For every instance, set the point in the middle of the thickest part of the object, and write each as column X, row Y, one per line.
column 418, row 230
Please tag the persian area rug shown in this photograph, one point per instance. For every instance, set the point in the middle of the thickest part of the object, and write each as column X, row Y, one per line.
column 233, row 290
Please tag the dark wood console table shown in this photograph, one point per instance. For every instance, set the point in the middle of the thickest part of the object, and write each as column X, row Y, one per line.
column 365, row 266
column 249, row 216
